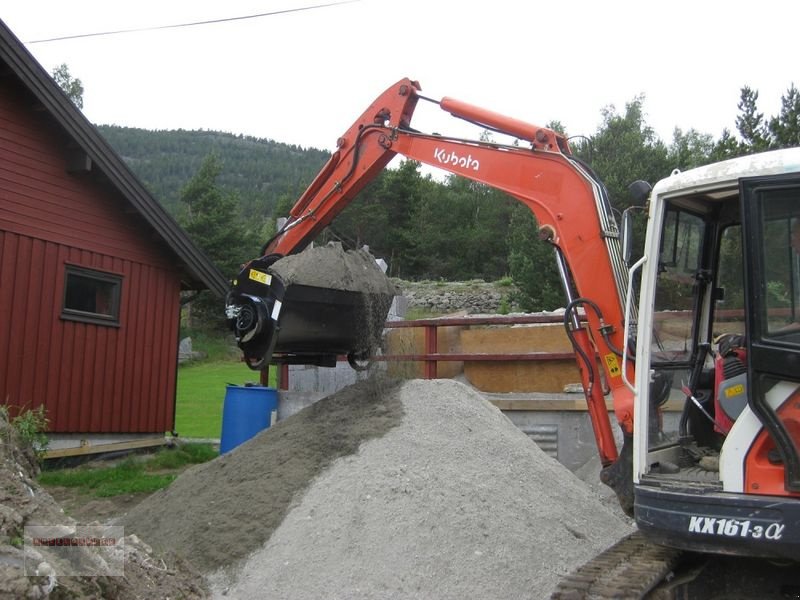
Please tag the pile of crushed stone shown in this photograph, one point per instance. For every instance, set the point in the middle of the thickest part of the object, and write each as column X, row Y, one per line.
column 219, row 512
column 28, row 571
column 331, row 266
column 439, row 496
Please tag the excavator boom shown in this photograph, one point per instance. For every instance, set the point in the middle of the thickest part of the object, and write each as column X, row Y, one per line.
column 569, row 203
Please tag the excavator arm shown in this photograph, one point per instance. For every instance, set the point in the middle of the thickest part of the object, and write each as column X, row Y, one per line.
column 570, row 205
column 360, row 155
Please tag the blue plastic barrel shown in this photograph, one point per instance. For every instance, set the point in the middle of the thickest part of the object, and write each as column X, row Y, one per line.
column 247, row 411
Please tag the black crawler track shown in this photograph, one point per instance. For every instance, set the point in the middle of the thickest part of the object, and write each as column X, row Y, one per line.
column 629, row 570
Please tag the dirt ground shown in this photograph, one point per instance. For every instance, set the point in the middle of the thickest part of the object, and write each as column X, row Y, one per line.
column 85, row 508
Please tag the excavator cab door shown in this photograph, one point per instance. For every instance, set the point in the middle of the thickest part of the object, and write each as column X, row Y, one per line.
column 771, row 239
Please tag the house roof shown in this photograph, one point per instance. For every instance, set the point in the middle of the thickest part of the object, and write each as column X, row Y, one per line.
column 198, row 271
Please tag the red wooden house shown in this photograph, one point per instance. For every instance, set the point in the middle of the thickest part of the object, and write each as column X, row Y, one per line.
column 91, row 268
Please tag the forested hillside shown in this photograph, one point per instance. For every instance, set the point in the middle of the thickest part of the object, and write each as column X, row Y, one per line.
column 259, row 170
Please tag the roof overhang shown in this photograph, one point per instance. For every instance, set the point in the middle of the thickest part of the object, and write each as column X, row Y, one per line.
column 201, row 272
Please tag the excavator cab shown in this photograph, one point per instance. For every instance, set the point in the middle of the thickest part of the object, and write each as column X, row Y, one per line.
column 721, row 292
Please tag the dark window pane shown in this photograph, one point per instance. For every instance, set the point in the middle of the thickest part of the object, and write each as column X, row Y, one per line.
column 91, row 296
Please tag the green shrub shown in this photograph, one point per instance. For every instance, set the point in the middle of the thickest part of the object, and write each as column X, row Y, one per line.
column 31, row 425
column 506, row 281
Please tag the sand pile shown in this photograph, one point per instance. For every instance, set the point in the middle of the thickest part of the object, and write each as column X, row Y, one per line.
column 219, row 512
column 445, row 498
column 28, row 571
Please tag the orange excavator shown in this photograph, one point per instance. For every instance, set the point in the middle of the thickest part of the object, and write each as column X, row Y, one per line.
column 705, row 317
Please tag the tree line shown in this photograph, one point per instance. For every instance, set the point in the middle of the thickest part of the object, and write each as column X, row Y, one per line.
column 453, row 229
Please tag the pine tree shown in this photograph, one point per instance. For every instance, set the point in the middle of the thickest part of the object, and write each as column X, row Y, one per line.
column 785, row 128
column 211, row 220
column 532, row 264
column 750, row 122
column 725, row 147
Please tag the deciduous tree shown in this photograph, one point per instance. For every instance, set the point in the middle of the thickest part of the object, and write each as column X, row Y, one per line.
column 72, row 87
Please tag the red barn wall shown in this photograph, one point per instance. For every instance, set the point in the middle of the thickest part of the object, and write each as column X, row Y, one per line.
column 90, row 377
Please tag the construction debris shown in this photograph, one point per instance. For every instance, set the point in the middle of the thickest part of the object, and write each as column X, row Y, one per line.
column 33, row 571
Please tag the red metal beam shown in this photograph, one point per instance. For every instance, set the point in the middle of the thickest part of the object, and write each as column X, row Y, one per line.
column 476, row 356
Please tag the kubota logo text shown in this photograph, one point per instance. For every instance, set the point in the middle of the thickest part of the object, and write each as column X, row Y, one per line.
column 451, row 158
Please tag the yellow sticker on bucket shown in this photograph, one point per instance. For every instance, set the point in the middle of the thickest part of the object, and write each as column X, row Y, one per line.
column 260, row 277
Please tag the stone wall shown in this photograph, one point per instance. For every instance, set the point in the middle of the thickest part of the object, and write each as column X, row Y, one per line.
column 476, row 296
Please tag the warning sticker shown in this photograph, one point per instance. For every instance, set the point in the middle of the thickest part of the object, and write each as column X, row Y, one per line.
column 260, row 277
column 734, row 390
column 613, row 365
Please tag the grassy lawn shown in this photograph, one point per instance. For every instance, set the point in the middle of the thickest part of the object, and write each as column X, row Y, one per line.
column 201, row 392
column 131, row 476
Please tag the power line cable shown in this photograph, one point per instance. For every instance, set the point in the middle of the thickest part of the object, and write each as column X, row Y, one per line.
column 179, row 25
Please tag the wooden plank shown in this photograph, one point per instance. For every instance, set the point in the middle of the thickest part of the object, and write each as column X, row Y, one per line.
column 521, row 376
column 89, row 448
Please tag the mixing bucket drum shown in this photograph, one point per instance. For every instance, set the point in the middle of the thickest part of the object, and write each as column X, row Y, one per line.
column 299, row 316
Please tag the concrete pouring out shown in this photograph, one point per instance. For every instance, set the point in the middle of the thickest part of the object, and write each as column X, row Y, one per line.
column 419, row 489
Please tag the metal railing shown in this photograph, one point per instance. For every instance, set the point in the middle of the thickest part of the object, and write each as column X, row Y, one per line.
column 431, row 355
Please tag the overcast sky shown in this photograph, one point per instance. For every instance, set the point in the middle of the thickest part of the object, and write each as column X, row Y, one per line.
column 302, row 77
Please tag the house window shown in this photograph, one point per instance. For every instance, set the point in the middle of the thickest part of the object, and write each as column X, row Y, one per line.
column 91, row 296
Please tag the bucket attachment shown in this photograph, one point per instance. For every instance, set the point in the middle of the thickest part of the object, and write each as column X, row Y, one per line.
column 309, row 308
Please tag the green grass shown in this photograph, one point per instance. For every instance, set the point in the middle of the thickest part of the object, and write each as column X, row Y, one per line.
column 132, row 475
column 215, row 345
column 201, row 392
column 180, row 456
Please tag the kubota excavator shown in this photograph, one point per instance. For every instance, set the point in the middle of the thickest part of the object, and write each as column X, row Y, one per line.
column 706, row 317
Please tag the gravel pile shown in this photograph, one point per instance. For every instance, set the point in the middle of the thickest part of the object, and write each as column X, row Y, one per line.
column 432, row 493
column 455, row 502
column 217, row 513
column 331, row 266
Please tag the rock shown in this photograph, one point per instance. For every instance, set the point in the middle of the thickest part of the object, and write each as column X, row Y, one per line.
column 185, row 352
